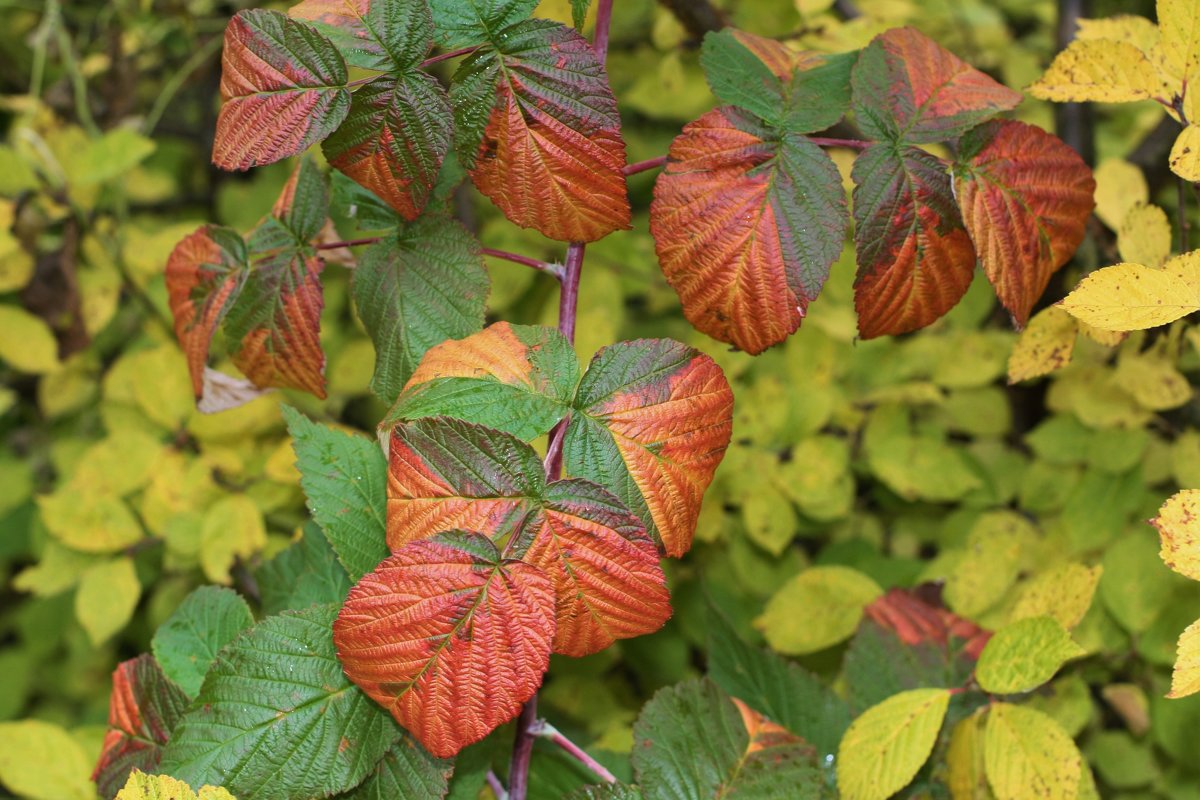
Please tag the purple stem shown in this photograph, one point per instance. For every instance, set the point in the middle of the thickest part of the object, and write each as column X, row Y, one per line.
column 348, row 243
column 645, row 166
column 603, row 22
column 462, row 51
column 497, row 786
column 516, row 258
column 857, row 144
column 578, row 753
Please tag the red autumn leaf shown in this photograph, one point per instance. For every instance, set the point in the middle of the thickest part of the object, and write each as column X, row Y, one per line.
column 143, row 709
column 909, row 88
column 204, row 275
column 915, row 260
column 549, row 151
column 449, row 637
column 284, row 87
column 915, row 620
column 1025, row 198
column 447, row 474
column 746, row 223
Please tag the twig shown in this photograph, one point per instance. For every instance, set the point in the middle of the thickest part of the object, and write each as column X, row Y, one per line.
column 548, row 731
column 348, row 243
column 856, row 144
column 516, row 258
column 645, row 166
column 462, row 51
column 497, row 786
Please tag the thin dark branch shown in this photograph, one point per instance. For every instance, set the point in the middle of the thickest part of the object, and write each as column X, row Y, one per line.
column 517, row 258
column 348, row 243
column 1073, row 121
column 857, row 144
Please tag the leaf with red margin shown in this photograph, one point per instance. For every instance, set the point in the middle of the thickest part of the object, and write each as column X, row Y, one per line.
column 205, row 273
column 395, row 139
column 653, row 418
column 746, row 224
column 373, row 34
column 144, row 708
column 448, row 636
column 537, row 125
column 1025, row 198
column 283, row 86
column 915, row 260
column 299, row 215
column 908, row 88
column 447, row 474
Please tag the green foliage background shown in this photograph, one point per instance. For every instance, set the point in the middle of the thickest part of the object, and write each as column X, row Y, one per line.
column 906, row 460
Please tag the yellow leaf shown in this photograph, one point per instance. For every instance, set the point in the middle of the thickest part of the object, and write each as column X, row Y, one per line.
column 41, row 761
column 164, row 390
column 89, row 522
column 1179, row 27
column 1102, row 337
column 1153, row 381
column 965, row 777
column 233, row 528
column 1137, row 31
column 1024, row 655
column 117, row 465
column 1127, row 297
column 1044, row 346
column 68, row 389
column 58, row 569
column 1064, row 592
column 1119, row 187
column 16, row 265
column 817, row 609
column 1101, row 71
column 1186, row 267
column 990, row 562
column 141, row 786
column 26, row 342
column 1185, row 680
column 1185, row 154
column 1178, row 524
column 107, row 595
column 1145, row 236
column 883, row 749
column 1028, row 755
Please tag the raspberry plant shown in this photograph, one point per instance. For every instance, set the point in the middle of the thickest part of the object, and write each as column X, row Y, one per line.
column 419, row 612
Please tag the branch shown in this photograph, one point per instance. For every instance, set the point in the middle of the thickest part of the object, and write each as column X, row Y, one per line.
column 856, row 144
column 645, row 166
column 516, row 258
column 348, row 243
column 462, row 51
column 548, row 731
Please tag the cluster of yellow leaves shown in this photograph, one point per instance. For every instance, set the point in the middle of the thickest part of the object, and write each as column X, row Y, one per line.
column 1128, row 58
column 1178, row 524
column 141, row 786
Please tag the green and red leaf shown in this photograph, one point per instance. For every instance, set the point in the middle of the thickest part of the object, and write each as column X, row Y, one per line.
column 515, row 378
column 284, row 87
column 537, row 124
column 908, row 88
column 448, row 636
column 653, row 418
column 144, row 708
column 395, row 138
column 746, row 223
column 1025, row 198
column 915, row 259
column 373, row 34
column 416, row 289
column 205, row 273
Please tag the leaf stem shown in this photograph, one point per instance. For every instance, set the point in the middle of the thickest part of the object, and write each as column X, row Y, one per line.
column 548, row 731
column 856, row 144
column 517, row 258
column 497, row 786
column 348, row 243
column 462, row 51
column 645, row 166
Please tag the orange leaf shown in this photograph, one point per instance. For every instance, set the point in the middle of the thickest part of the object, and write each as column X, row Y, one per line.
column 915, row 260
column 204, row 275
column 914, row 620
column 1025, row 198
column 284, row 87
column 449, row 637
column 746, row 224
column 550, row 155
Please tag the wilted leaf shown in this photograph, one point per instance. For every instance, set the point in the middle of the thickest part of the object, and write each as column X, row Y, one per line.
column 1025, row 654
column 284, row 87
column 746, row 224
column 884, row 748
column 818, row 608
column 280, row 688
column 187, row 643
column 466, row 637
column 1185, row 680
column 1028, row 755
column 143, row 709
column 1178, row 524
column 1025, row 198
column 1044, row 346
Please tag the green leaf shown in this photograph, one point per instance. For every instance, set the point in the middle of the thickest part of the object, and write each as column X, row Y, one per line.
column 879, row 664
column 1024, row 655
column 460, row 24
column 818, row 96
column 26, row 342
column 690, row 742
column 107, row 596
column 406, row 770
column 1026, row 754
column 579, row 10
column 372, row 34
column 187, row 643
column 884, row 748
column 299, row 212
column 344, row 478
column 41, row 761
column 514, row 378
column 415, row 291
column 739, row 77
column 1136, row 586
column 784, row 692
column 306, row 573
column 817, row 609
column 278, row 718
column 611, row 791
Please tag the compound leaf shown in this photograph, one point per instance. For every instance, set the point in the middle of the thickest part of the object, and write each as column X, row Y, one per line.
column 449, row 637
column 415, row 290
column 746, row 224
column 1025, row 198
column 884, row 748
column 283, row 86
column 406, row 770
column 187, row 643
column 277, row 717
column 304, row 574
column 747, row 71
column 144, row 708
column 915, row 259
column 908, row 88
